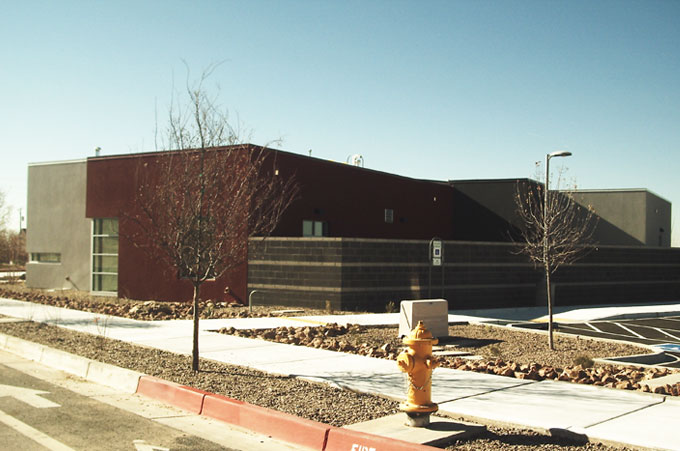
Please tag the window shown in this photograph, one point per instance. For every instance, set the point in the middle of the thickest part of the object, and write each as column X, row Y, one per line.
column 105, row 255
column 389, row 215
column 314, row 228
column 45, row 257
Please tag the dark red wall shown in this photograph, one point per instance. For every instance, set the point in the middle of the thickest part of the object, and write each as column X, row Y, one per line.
column 351, row 200
column 112, row 184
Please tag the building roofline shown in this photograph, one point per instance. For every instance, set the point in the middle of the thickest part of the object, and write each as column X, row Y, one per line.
column 619, row 190
column 49, row 163
column 250, row 145
column 503, row 180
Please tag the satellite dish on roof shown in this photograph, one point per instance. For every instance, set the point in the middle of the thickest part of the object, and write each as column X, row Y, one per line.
column 356, row 160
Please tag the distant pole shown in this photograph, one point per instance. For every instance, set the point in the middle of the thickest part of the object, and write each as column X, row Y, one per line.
column 546, row 232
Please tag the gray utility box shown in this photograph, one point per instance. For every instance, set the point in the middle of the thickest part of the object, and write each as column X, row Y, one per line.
column 434, row 313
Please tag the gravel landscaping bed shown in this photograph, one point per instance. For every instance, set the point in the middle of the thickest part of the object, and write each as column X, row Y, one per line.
column 519, row 349
column 149, row 310
column 497, row 350
column 287, row 394
column 310, row 400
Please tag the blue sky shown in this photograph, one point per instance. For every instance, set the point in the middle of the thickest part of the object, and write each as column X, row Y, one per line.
column 428, row 89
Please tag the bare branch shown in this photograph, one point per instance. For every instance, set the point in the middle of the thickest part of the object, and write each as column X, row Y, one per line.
column 200, row 200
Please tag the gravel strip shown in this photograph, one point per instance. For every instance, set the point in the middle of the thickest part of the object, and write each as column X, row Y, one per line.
column 314, row 401
column 309, row 400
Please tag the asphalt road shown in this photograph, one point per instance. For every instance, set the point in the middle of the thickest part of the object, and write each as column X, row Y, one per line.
column 41, row 408
column 652, row 331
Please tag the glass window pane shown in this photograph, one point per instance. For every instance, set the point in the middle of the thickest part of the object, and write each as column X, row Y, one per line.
column 307, row 228
column 106, row 226
column 105, row 263
column 105, row 282
column 106, row 245
column 110, row 227
column 46, row 257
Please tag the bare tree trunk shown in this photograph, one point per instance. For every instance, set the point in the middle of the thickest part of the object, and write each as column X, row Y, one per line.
column 551, row 343
column 194, row 352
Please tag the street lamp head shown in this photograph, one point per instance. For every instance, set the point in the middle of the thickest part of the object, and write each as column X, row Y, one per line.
column 559, row 153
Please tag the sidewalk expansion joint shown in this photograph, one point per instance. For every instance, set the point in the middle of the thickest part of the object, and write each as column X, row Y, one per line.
column 625, row 414
column 489, row 391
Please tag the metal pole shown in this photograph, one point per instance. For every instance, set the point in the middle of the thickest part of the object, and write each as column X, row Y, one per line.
column 429, row 265
column 250, row 301
column 546, row 263
column 443, row 274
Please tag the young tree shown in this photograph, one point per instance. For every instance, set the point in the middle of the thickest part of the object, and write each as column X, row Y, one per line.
column 199, row 203
column 4, row 210
column 554, row 230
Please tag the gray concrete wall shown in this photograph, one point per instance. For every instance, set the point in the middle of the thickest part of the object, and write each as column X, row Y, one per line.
column 56, row 222
column 658, row 223
column 629, row 217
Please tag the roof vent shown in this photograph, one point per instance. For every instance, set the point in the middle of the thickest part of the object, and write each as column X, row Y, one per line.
column 356, row 160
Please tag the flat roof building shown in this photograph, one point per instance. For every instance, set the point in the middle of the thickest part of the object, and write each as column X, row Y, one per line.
column 77, row 235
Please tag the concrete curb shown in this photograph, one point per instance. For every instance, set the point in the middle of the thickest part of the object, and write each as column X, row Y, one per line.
column 91, row 370
column 279, row 425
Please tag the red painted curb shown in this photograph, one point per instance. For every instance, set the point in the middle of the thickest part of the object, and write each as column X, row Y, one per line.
column 279, row 425
column 340, row 439
column 222, row 408
column 181, row 396
column 283, row 426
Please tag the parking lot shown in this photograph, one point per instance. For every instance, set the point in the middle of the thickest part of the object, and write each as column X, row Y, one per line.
column 652, row 331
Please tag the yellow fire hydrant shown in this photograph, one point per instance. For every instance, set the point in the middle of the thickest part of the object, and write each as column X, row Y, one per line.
column 417, row 361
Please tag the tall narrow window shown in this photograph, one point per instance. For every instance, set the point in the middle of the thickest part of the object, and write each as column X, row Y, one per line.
column 105, row 255
column 389, row 215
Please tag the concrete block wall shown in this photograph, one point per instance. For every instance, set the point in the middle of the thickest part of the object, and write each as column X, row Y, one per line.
column 367, row 274
column 618, row 274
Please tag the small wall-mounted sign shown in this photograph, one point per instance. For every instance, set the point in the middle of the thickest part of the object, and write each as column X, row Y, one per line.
column 436, row 253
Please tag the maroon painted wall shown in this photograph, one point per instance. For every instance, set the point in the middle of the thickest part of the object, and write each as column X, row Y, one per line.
column 112, row 184
column 351, row 200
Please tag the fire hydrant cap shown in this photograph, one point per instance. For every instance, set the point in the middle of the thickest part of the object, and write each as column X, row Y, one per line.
column 420, row 334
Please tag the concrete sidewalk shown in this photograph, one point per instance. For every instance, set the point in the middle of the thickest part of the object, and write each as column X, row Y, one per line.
column 624, row 417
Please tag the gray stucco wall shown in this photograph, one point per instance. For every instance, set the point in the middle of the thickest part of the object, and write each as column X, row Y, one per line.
column 56, row 222
column 658, row 224
column 629, row 217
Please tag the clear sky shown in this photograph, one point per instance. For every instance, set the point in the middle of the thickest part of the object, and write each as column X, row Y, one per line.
column 427, row 89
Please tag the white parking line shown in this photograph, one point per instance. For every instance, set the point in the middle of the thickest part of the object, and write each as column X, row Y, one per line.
column 666, row 333
column 627, row 329
column 34, row 434
column 594, row 328
column 664, row 330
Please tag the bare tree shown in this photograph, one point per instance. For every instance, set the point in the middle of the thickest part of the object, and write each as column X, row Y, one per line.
column 4, row 210
column 568, row 226
column 199, row 203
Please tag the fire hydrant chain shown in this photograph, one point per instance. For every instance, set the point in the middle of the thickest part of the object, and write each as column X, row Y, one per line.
column 422, row 387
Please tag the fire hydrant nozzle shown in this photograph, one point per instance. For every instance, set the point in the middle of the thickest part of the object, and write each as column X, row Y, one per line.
column 417, row 361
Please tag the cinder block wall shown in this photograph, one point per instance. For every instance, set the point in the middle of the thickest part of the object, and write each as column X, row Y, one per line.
column 366, row 274
column 618, row 274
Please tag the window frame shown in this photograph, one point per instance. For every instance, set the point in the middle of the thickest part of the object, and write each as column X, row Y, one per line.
column 316, row 226
column 37, row 257
column 99, row 231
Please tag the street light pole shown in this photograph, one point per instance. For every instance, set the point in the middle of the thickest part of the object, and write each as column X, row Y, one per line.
column 546, row 233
